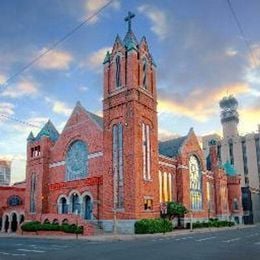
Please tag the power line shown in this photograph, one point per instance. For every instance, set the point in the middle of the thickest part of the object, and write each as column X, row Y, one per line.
column 240, row 28
column 19, row 121
column 53, row 46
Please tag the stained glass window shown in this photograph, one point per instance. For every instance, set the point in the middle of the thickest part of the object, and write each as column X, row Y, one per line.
column 195, row 183
column 77, row 161
column 146, row 152
column 33, row 193
column 118, row 165
column 14, row 201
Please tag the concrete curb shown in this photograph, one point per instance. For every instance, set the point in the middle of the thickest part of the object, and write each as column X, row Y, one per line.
column 121, row 237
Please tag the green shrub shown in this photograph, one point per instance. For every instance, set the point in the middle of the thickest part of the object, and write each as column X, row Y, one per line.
column 36, row 226
column 31, row 226
column 151, row 226
column 213, row 223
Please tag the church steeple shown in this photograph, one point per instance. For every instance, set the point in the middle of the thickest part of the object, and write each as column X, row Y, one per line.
column 130, row 127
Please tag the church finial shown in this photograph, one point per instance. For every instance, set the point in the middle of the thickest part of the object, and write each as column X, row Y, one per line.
column 128, row 19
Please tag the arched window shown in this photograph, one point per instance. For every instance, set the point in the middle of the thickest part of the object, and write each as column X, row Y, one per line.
column 14, row 201
column 195, row 183
column 235, row 204
column 146, row 151
column 144, row 70
column 76, row 161
column 118, row 71
column 33, row 193
column 118, row 165
column 75, row 203
column 63, row 206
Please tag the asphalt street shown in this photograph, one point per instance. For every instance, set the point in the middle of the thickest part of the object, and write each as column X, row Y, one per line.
column 230, row 244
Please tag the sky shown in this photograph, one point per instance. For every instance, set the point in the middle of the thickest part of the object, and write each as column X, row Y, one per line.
column 200, row 55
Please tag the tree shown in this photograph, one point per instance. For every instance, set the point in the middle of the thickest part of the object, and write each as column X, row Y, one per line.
column 175, row 209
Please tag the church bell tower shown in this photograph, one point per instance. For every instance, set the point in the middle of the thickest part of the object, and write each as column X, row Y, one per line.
column 130, row 184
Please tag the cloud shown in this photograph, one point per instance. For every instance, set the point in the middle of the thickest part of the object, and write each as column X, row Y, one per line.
column 158, row 19
column 95, row 60
column 198, row 104
column 23, row 88
column 92, row 6
column 254, row 56
column 165, row 135
column 55, row 60
column 2, row 79
column 249, row 119
column 83, row 88
column 6, row 109
column 59, row 107
column 231, row 52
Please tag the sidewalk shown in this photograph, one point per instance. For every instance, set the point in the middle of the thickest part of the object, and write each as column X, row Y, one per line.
column 122, row 237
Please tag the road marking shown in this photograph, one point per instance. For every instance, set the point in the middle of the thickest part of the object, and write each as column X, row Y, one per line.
column 4, row 253
column 31, row 250
column 18, row 254
column 253, row 235
column 206, row 238
column 183, row 238
column 231, row 240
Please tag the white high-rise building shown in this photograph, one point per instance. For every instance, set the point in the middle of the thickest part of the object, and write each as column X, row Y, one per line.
column 241, row 151
column 5, row 172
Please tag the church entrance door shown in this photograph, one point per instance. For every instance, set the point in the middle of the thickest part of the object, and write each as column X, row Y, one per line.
column 88, row 207
column 14, row 223
column 6, row 223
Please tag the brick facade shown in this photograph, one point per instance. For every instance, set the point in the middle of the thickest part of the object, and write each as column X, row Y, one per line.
column 123, row 166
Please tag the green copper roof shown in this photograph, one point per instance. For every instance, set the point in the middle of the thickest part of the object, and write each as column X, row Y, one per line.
column 229, row 169
column 130, row 40
column 30, row 137
column 48, row 130
column 107, row 58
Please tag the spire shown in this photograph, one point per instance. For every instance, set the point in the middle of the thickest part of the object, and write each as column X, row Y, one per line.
column 107, row 58
column 130, row 40
column 30, row 137
column 48, row 130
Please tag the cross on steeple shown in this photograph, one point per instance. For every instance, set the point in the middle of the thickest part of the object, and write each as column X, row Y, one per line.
column 128, row 19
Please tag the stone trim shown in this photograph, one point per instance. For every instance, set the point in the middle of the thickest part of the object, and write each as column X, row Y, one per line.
column 90, row 156
column 183, row 167
column 167, row 164
column 167, row 158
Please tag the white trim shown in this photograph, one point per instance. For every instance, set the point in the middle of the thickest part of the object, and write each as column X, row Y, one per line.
column 95, row 155
column 166, row 157
column 183, row 167
column 90, row 156
column 56, row 164
column 167, row 164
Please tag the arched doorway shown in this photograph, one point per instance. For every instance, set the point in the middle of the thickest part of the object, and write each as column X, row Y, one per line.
column 6, row 223
column 75, row 202
column 21, row 219
column 14, row 222
column 88, row 207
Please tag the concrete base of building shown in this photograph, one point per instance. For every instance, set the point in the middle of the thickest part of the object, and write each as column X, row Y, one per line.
column 119, row 226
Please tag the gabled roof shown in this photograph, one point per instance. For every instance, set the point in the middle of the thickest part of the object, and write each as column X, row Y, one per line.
column 96, row 118
column 48, row 130
column 171, row 148
column 79, row 108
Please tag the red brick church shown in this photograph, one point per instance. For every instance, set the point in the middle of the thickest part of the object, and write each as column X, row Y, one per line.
column 112, row 171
